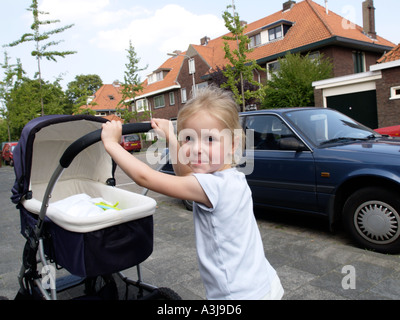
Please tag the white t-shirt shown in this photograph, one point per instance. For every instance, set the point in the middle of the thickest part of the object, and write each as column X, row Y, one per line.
column 231, row 256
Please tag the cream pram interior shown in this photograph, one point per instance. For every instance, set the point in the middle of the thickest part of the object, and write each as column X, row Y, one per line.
column 87, row 175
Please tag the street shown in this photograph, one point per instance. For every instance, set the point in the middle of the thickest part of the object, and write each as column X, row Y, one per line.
column 313, row 264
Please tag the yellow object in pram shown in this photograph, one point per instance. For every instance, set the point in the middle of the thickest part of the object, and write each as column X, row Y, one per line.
column 106, row 206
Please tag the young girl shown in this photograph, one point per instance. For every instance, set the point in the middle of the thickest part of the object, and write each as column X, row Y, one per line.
column 230, row 251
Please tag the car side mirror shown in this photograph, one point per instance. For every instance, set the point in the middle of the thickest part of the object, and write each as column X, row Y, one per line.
column 292, row 143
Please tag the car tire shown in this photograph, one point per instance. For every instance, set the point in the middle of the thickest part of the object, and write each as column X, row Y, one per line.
column 372, row 218
column 188, row 204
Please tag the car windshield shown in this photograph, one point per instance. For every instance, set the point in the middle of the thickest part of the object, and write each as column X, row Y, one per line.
column 131, row 138
column 326, row 126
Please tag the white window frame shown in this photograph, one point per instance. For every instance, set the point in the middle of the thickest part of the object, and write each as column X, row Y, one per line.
column 395, row 93
column 171, row 98
column 183, row 95
column 255, row 40
column 268, row 73
column 162, row 105
column 141, row 105
column 275, row 33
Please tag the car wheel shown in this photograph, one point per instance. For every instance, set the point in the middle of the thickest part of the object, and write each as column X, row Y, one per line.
column 372, row 217
column 188, row 204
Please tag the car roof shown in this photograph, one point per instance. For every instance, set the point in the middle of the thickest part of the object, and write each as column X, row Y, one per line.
column 277, row 111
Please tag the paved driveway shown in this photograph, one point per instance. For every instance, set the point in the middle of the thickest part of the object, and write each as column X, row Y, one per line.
column 311, row 262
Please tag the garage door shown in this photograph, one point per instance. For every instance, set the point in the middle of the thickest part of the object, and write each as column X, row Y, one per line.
column 360, row 106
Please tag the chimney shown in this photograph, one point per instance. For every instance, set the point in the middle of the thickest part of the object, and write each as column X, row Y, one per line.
column 369, row 18
column 288, row 5
column 204, row 41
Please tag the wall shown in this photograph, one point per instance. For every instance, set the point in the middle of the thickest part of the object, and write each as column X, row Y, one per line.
column 388, row 110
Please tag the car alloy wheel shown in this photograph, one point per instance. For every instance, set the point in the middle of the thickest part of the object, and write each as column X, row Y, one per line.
column 372, row 217
column 377, row 222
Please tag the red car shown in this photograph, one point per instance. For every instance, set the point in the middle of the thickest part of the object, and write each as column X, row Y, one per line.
column 131, row 142
column 393, row 131
column 7, row 153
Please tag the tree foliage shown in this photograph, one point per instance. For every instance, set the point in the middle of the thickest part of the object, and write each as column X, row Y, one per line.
column 13, row 74
column 42, row 42
column 79, row 90
column 24, row 104
column 291, row 86
column 131, row 86
column 240, row 69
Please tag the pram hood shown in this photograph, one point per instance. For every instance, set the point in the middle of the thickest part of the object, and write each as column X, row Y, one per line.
column 42, row 143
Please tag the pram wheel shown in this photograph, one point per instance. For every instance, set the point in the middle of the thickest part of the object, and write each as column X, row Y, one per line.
column 103, row 287
column 168, row 294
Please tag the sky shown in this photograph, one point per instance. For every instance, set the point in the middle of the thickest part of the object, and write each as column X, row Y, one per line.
column 103, row 28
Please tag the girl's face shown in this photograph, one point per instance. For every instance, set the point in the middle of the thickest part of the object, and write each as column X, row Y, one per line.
column 206, row 144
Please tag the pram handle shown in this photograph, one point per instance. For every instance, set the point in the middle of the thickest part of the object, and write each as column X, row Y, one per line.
column 91, row 138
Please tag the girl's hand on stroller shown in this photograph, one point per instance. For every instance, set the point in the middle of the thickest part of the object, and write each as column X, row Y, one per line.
column 163, row 128
column 111, row 132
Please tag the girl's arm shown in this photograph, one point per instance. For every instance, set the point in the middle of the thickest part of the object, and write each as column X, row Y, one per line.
column 181, row 187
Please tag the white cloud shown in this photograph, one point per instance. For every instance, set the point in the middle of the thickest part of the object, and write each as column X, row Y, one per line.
column 169, row 28
column 73, row 9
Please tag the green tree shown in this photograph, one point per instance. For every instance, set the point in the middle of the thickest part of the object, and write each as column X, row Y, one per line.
column 131, row 86
column 13, row 73
column 81, row 88
column 291, row 85
column 24, row 104
column 240, row 69
column 42, row 49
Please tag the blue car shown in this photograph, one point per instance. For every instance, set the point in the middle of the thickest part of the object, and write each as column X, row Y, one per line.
column 319, row 161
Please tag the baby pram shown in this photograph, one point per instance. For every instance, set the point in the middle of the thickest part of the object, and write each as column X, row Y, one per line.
column 58, row 158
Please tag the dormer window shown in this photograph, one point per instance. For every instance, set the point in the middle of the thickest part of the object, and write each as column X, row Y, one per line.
column 275, row 33
column 158, row 75
column 269, row 33
column 255, row 40
column 155, row 77
column 111, row 97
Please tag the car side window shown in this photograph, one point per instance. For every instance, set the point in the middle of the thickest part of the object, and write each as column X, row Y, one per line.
column 268, row 131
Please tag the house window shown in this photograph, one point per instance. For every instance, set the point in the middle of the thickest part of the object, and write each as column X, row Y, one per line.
column 202, row 85
column 183, row 95
column 359, row 62
column 155, row 77
column 141, row 105
column 255, row 41
column 275, row 33
column 394, row 93
column 171, row 98
column 273, row 68
column 159, row 102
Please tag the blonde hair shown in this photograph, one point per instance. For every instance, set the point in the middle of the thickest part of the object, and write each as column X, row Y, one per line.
column 219, row 104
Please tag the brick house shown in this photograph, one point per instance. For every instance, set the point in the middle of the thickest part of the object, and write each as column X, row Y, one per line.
column 388, row 88
column 304, row 27
column 371, row 97
column 105, row 101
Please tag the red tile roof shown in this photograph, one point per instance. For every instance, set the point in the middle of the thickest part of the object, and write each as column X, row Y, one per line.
column 113, row 117
column 311, row 25
column 106, row 98
column 392, row 55
column 173, row 64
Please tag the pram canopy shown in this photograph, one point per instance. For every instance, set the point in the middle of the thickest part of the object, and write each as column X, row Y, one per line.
column 42, row 143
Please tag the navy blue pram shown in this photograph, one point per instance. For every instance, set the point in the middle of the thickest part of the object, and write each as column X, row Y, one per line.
column 58, row 158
